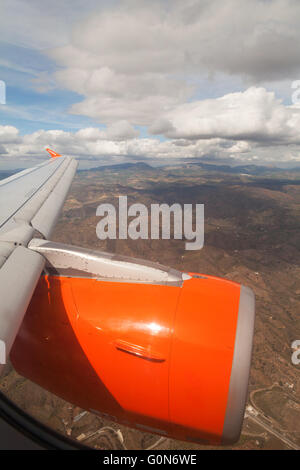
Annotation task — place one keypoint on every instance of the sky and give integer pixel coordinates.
(164, 81)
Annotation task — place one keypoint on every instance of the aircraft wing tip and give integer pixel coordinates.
(52, 153)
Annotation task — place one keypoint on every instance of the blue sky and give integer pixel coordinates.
(158, 81)
(27, 108)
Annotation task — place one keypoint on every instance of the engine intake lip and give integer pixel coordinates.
(241, 364)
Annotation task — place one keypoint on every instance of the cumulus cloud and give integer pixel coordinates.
(254, 115)
(140, 63)
(138, 59)
(38, 25)
(119, 130)
(8, 135)
(91, 143)
(86, 141)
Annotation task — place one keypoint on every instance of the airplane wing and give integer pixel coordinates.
(184, 338)
(30, 204)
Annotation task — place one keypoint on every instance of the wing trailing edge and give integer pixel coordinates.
(18, 278)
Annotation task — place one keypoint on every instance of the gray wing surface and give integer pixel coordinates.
(30, 201)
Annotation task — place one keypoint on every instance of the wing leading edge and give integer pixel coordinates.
(30, 201)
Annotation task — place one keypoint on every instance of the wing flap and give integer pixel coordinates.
(18, 278)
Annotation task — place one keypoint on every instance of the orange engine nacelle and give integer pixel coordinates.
(170, 359)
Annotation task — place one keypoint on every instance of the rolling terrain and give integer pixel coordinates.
(252, 233)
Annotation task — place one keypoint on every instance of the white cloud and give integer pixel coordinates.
(254, 115)
(92, 143)
(35, 24)
(137, 60)
(9, 135)
(120, 130)
(140, 63)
